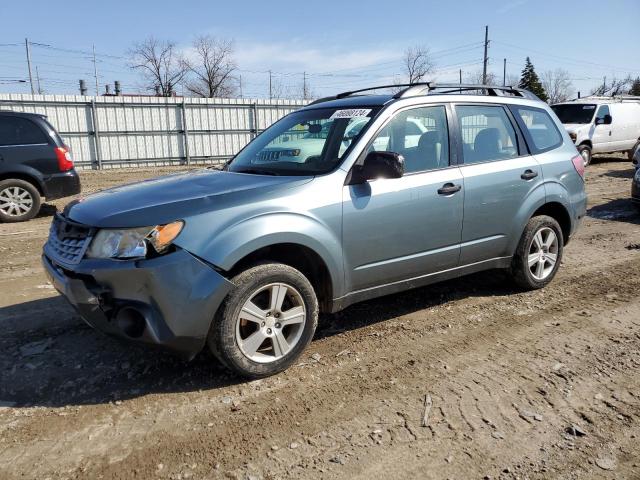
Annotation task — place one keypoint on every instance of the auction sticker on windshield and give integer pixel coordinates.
(350, 113)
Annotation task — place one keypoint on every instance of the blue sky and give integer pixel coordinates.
(341, 45)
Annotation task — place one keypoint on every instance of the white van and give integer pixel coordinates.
(602, 124)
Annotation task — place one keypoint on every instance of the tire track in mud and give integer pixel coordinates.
(468, 390)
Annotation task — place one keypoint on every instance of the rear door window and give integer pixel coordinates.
(487, 133)
(542, 132)
(20, 131)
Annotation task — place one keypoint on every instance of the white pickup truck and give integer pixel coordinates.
(602, 124)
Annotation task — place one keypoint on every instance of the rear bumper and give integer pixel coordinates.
(168, 301)
(59, 185)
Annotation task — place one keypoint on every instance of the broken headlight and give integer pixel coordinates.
(133, 242)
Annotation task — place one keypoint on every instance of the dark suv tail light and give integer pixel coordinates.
(578, 163)
(65, 162)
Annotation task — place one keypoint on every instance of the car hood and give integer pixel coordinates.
(172, 197)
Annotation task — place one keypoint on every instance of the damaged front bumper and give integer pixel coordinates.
(168, 301)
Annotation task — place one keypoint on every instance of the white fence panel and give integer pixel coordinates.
(112, 132)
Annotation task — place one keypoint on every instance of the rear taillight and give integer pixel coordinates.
(578, 163)
(65, 162)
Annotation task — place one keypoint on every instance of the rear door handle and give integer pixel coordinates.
(449, 189)
(529, 174)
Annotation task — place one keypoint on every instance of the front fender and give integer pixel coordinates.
(230, 245)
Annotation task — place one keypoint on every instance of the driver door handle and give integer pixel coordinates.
(449, 189)
(529, 174)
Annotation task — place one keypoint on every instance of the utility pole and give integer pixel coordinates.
(26, 44)
(95, 69)
(486, 58)
(305, 94)
(460, 72)
(504, 73)
(270, 87)
(38, 81)
(240, 83)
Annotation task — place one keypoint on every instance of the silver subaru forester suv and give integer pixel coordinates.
(350, 198)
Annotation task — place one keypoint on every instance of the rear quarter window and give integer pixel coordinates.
(539, 128)
(20, 131)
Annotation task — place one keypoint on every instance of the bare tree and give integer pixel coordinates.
(417, 63)
(210, 68)
(476, 78)
(614, 87)
(160, 65)
(512, 79)
(557, 84)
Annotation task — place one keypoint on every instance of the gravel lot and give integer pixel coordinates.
(535, 385)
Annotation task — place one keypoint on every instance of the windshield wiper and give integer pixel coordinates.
(255, 171)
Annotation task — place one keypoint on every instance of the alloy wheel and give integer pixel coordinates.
(543, 253)
(270, 323)
(15, 201)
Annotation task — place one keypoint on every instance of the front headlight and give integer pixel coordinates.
(133, 242)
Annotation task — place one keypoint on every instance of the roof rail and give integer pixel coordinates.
(360, 90)
(425, 88)
(491, 90)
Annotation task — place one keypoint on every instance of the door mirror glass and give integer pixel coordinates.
(378, 165)
(607, 119)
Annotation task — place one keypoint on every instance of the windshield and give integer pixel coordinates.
(575, 113)
(306, 142)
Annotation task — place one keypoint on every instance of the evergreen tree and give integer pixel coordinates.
(531, 82)
(635, 87)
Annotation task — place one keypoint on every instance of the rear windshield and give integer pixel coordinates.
(575, 113)
(54, 133)
(20, 131)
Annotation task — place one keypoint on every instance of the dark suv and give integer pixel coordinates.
(34, 163)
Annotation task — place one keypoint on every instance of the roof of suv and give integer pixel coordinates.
(356, 98)
(22, 114)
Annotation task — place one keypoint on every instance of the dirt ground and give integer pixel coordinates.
(536, 385)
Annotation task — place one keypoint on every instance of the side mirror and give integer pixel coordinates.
(378, 165)
(606, 120)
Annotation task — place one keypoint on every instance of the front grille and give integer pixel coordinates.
(67, 241)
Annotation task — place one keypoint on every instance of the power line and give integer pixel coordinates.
(566, 59)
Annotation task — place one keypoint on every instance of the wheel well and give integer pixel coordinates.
(302, 258)
(559, 213)
(22, 176)
(587, 143)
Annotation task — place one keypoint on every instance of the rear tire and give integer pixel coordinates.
(585, 153)
(266, 321)
(633, 151)
(19, 200)
(538, 254)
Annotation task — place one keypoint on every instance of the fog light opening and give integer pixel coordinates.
(131, 322)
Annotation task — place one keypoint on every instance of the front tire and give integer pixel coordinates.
(266, 321)
(538, 254)
(585, 153)
(19, 200)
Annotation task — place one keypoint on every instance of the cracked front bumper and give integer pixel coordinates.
(171, 299)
